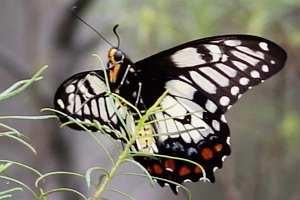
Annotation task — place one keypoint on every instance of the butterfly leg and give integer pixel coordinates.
(124, 76)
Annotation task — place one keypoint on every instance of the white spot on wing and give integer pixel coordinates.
(191, 107)
(210, 106)
(181, 88)
(223, 119)
(203, 83)
(251, 52)
(94, 108)
(110, 111)
(201, 126)
(172, 128)
(162, 138)
(232, 43)
(216, 76)
(61, 103)
(265, 68)
(215, 52)
(83, 89)
(244, 57)
(254, 74)
(224, 101)
(102, 109)
(161, 123)
(86, 109)
(223, 158)
(228, 140)
(264, 46)
(195, 136)
(87, 120)
(96, 84)
(216, 125)
(179, 126)
(75, 104)
(188, 57)
(244, 81)
(240, 65)
(224, 58)
(70, 89)
(213, 48)
(185, 79)
(273, 62)
(234, 90)
(175, 109)
(186, 137)
(226, 69)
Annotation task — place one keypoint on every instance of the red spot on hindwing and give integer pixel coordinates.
(184, 170)
(157, 169)
(197, 169)
(169, 164)
(218, 147)
(207, 153)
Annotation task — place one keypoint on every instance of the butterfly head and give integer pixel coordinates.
(115, 61)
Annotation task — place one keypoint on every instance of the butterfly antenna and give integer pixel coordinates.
(115, 32)
(75, 14)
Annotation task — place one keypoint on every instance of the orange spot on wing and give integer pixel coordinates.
(197, 170)
(207, 153)
(218, 147)
(184, 170)
(157, 169)
(170, 164)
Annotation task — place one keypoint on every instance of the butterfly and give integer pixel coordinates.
(203, 79)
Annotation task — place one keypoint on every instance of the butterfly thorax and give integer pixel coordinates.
(123, 78)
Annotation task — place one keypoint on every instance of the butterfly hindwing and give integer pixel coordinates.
(187, 131)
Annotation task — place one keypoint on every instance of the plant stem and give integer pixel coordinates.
(112, 173)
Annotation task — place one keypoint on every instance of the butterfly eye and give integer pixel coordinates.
(118, 56)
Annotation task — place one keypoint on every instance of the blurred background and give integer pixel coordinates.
(265, 159)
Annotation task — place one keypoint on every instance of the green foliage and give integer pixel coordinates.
(10, 92)
(17, 136)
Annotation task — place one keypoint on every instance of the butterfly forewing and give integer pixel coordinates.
(221, 67)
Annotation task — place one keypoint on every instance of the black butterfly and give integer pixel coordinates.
(207, 75)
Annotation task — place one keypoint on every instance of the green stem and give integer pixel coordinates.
(113, 171)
